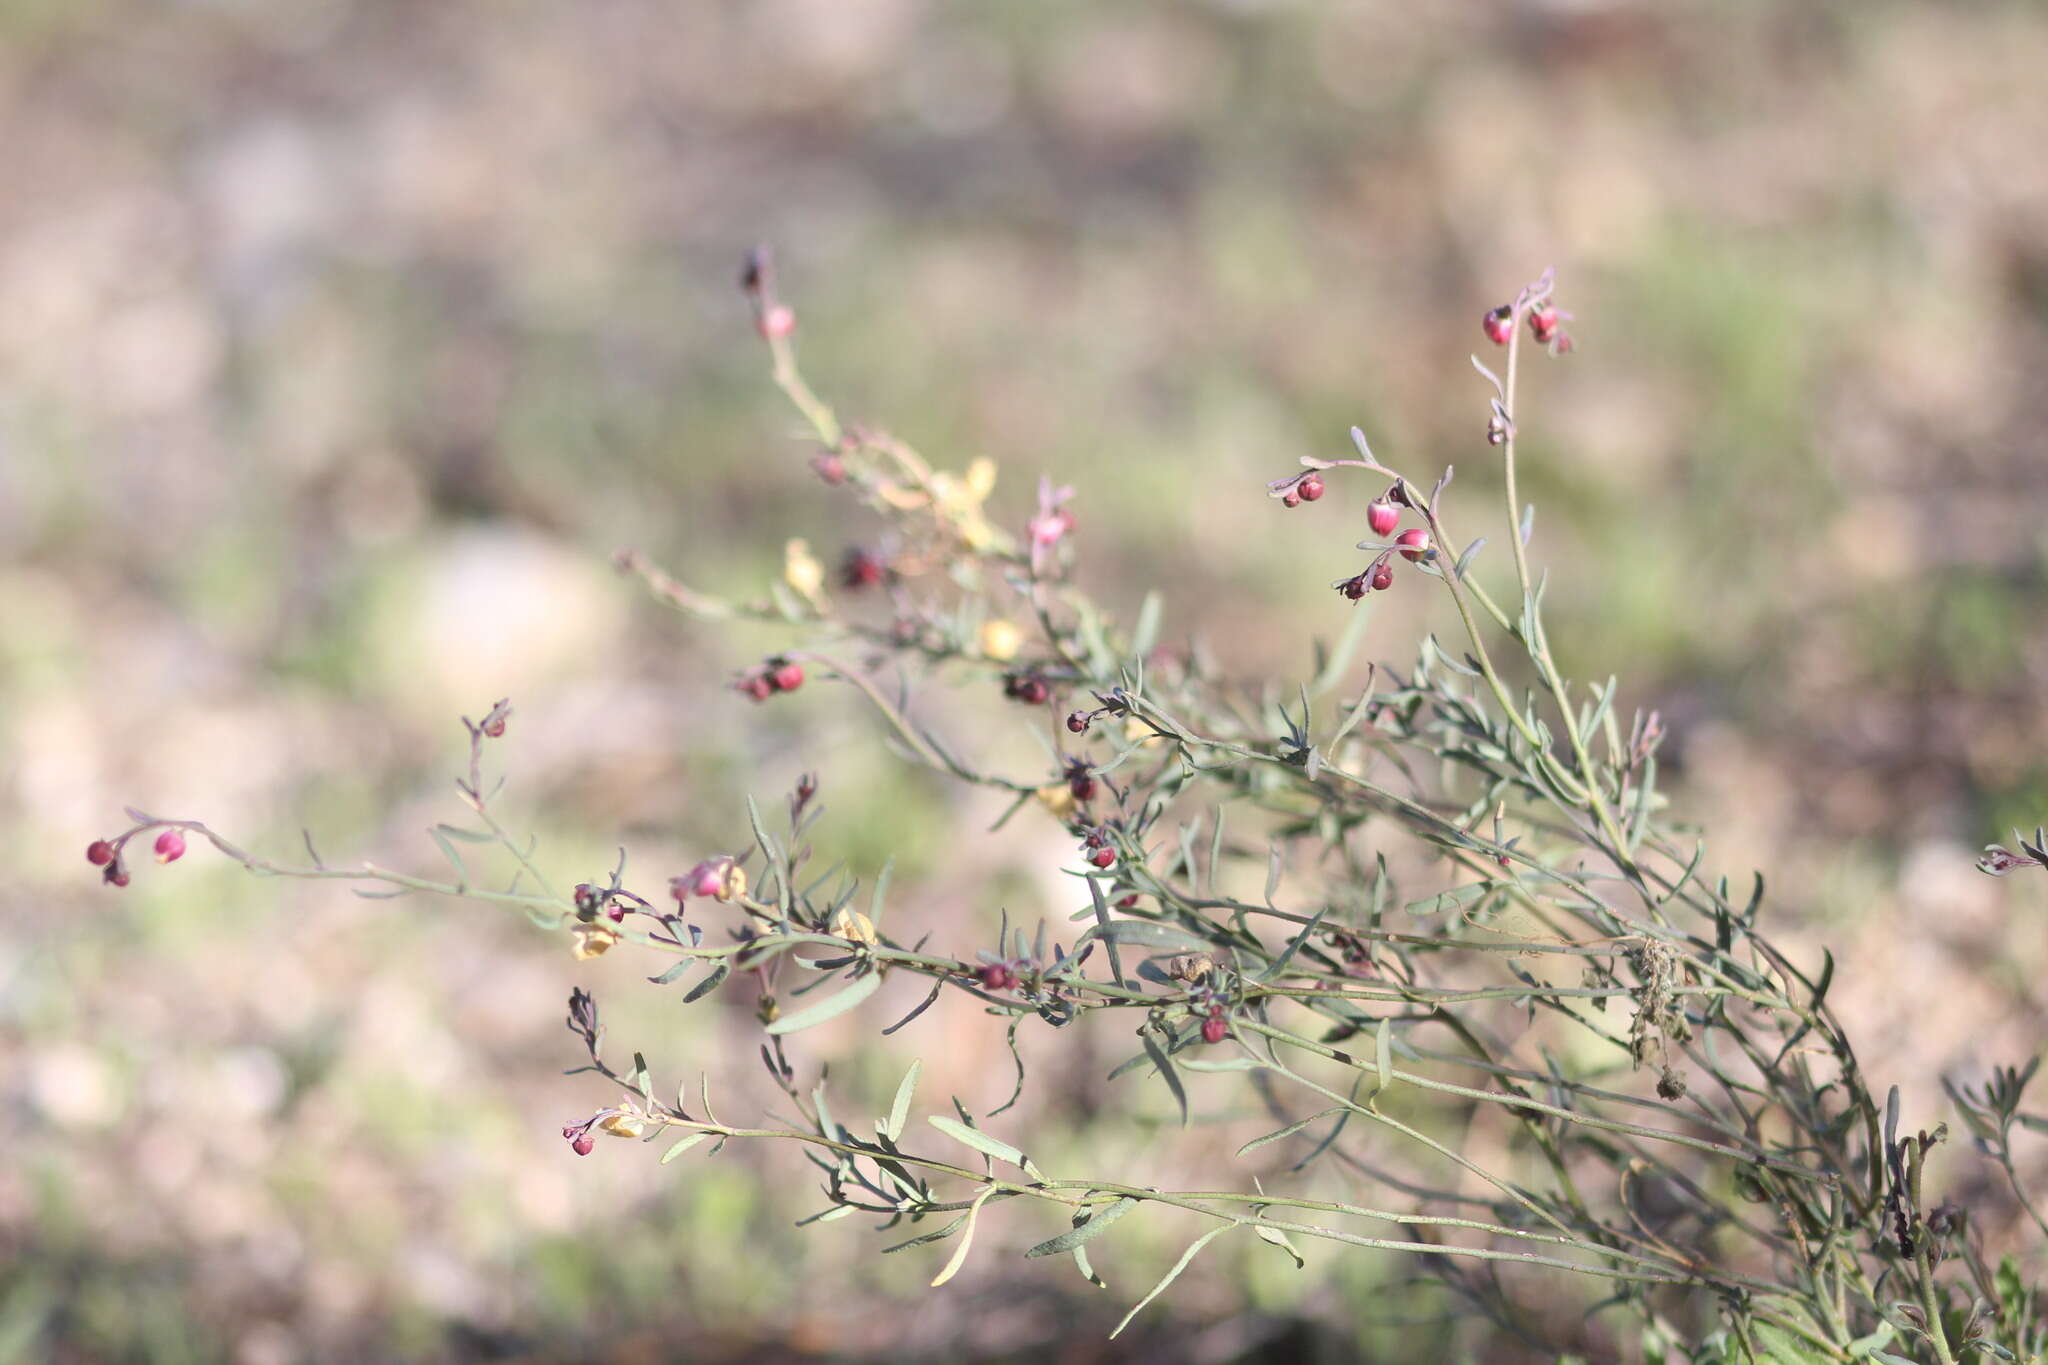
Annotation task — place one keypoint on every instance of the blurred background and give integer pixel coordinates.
(341, 342)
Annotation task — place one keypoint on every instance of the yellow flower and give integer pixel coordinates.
(591, 940)
(981, 479)
(1138, 732)
(627, 1123)
(1058, 800)
(801, 569)
(852, 924)
(1000, 640)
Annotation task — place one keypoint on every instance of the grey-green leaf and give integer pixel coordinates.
(899, 1112)
(1173, 1274)
(978, 1140)
(1086, 1232)
(1151, 935)
(682, 1146)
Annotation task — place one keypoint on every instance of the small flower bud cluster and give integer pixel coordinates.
(1096, 847)
(860, 569)
(627, 1121)
(106, 854)
(1080, 779)
(720, 878)
(1028, 686)
(776, 675)
(1546, 319)
(1382, 515)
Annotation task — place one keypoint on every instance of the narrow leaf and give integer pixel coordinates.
(1166, 1071)
(966, 1241)
(673, 972)
(975, 1138)
(1279, 1239)
(941, 1235)
(1173, 1274)
(1146, 633)
(1289, 1131)
(1085, 1232)
(708, 984)
(682, 1146)
(1154, 935)
(892, 1127)
(1458, 572)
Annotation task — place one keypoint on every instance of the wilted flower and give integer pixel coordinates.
(592, 940)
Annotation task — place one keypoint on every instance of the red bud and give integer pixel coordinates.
(1382, 516)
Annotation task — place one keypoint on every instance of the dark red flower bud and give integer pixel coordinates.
(495, 728)
(829, 467)
(1128, 902)
(1214, 1029)
(99, 853)
(1382, 516)
(1499, 325)
(1291, 499)
(1077, 721)
(995, 976)
(1414, 543)
(1310, 488)
(1102, 857)
(756, 686)
(115, 875)
(582, 1145)
(1382, 575)
(1082, 785)
(860, 570)
(1030, 689)
(786, 676)
(1353, 588)
(1543, 322)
